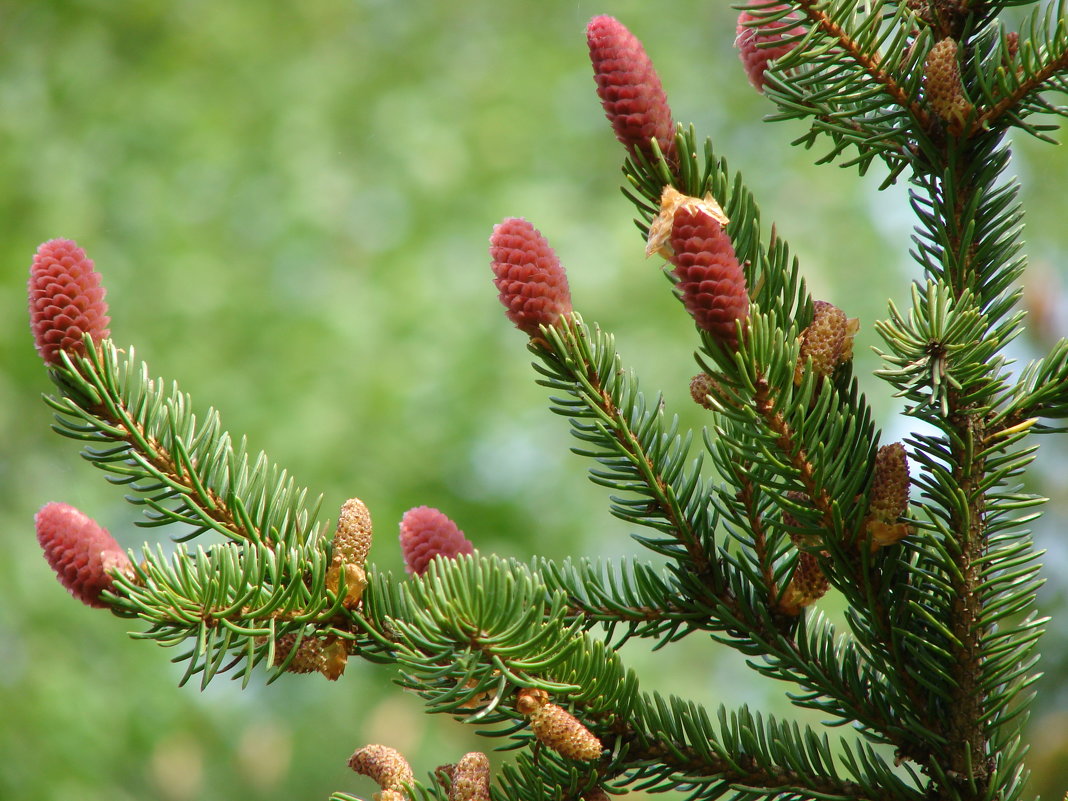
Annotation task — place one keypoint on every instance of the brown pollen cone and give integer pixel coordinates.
(828, 340)
(889, 496)
(385, 765)
(701, 386)
(557, 728)
(307, 659)
(943, 87)
(807, 585)
(352, 543)
(468, 778)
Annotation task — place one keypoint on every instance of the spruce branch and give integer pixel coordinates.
(855, 76)
(180, 469)
(879, 29)
(634, 451)
(1012, 80)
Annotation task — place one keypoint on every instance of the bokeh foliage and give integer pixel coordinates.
(289, 204)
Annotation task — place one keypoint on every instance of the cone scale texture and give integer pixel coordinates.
(66, 300)
(630, 90)
(710, 278)
(80, 551)
(532, 284)
(425, 533)
(756, 38)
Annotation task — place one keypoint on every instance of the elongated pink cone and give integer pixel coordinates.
(532, 284)
(754, 33)
(629, 88)
(710, 279)
(425, 533)
(80, 551)
(66, 300)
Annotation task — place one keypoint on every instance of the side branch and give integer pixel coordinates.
(144, 458)
(1032, 83)
(816, 14)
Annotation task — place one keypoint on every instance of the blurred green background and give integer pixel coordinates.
(289, 204)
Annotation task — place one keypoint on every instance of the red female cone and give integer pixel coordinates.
(532, 284)
(710, 278)
(82, 553)
(757, 36)
(426, 533)
(630, 90)
(66, 300)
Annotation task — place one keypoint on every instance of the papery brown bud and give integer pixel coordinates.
(757, 36)
(352, 543)
(889, 496)
(82, 553)
(828, 340)
(386, 766)
(425, 533)
(943, 87)
(66, 300)
(334, 659)
(532, 284)
(596, 794)
(671, 200)
(557, 728)
(630, 90)
(710, 279)
(469, 778)
(807, 585)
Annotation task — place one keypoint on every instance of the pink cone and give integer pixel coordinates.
(630, 90)
(80, 551)
(755, 58)
(66, 300)
(425, 533)
(710, 278)
(532, 284)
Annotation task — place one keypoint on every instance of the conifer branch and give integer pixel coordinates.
(870, 61)
(182, 471)
(1035, 82)
(619, 422)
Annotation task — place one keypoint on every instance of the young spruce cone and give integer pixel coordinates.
(942, 84)
(528, 276)
(66, 300)
(82, 553)
(557, 728)
(630, 90)
(468, 778)
(425, 533)
(757, 37)
(352, 543)
(889, 496)
(389, 769)
(710, 278)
